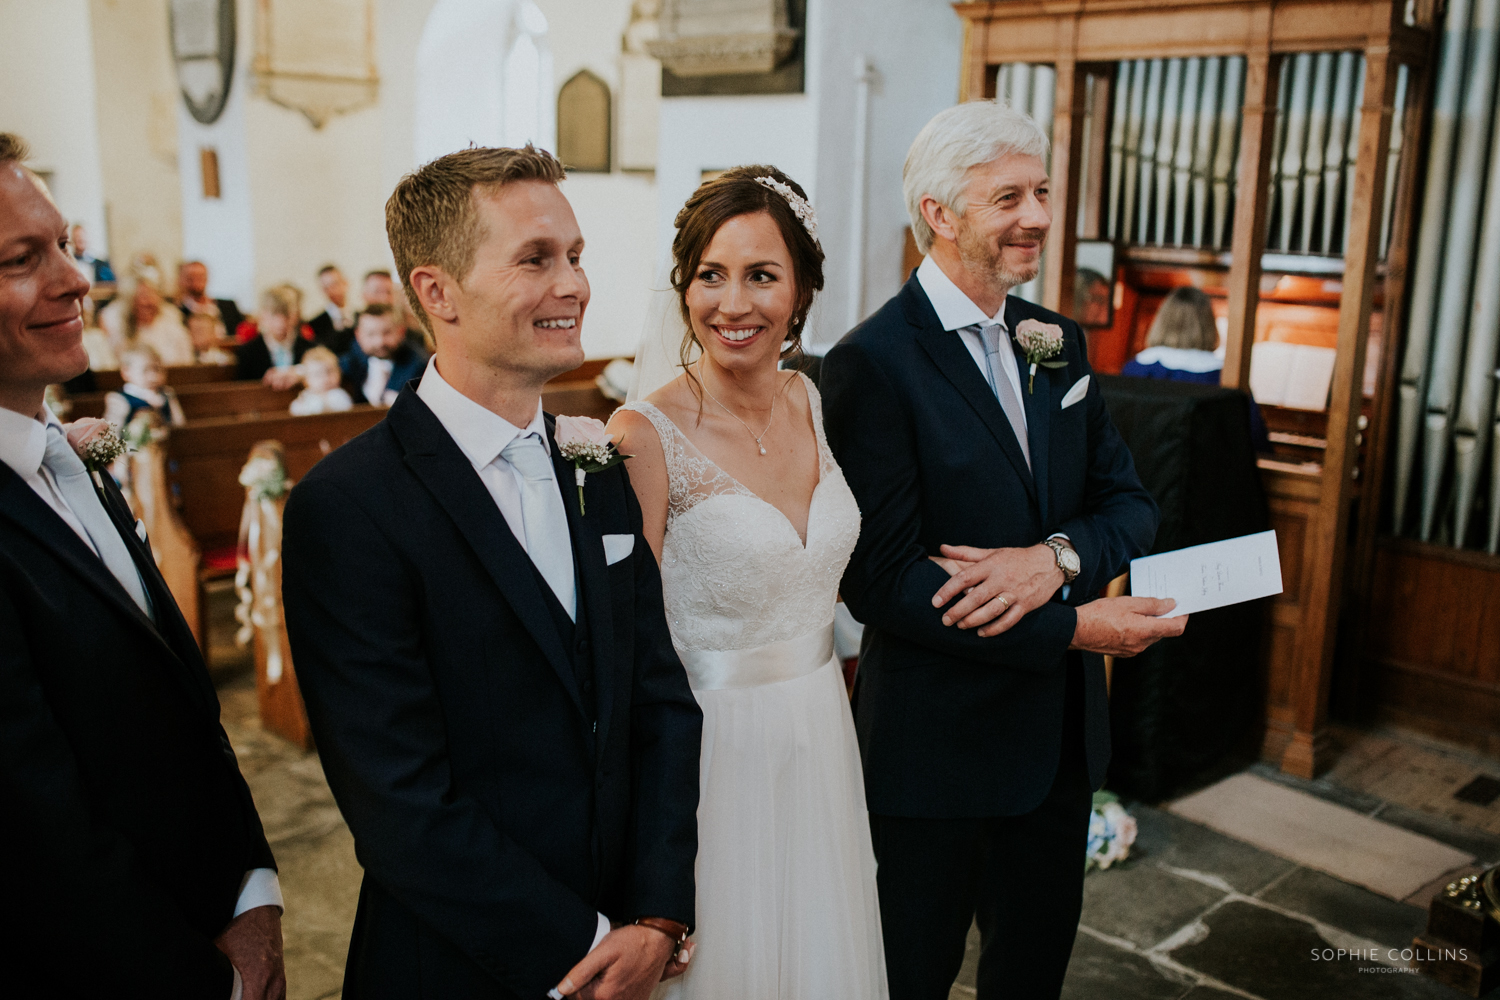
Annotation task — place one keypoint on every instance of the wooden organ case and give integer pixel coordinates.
(1325, 512)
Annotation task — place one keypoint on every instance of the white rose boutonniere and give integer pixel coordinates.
(96, 441)
(1039, 341)
(586, 443)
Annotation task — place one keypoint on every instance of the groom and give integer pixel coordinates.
(488, 672)
(982, 745)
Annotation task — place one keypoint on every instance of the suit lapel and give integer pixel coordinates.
(31, 514)
(953, 359)
(593, 585)
(438, 463)
(1038, 403)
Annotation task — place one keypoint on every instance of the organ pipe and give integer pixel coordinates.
(1338, 138)
(1166, 149)
(1351, 148)
(1226, 147)
(1150, 129)
(1182, 163)
(1203, 153)
(1312, 160)
(1424, 283)
(1293, 145)
(1117, 144)
(1458, 261)
(1133, 128)
(1393, 158)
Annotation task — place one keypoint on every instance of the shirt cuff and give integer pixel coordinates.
(239, 986)
(599, 935)
(259, 887)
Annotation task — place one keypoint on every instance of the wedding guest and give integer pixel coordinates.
(193, 298)
(143, 317)
(1182, 346)
(334, 326)
(272, 354)
(1092, 298)
(378, 290)
(381, 360)
(320, 376)
(209, 343)
(101, 276)
(145, 388)
(488, 672)
(140, 868)
(986, 487)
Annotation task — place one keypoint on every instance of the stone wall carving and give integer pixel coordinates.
(724, 37)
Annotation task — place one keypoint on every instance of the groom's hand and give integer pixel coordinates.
(1124, 626)
(999, 586)
(625, 966)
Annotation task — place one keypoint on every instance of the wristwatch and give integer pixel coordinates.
(1067, 558)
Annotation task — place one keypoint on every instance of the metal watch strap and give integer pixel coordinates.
(1057, 546)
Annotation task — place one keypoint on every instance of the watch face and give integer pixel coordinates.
(1071, 561)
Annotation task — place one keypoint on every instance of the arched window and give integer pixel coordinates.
(484, 76)
(583, 107)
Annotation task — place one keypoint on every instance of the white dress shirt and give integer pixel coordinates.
(23, 443)
(956, 311)
(377, 382)
(482, 434)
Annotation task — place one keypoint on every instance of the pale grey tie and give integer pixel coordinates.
(545, 519)
(996, 340)
(73, 482)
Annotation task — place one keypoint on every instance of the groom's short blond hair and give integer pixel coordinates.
(962, 137)
(431, 218)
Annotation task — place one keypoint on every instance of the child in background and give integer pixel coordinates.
(207, 334)
(145, 389)
(320, 375)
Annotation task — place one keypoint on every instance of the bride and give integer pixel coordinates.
(752, 523)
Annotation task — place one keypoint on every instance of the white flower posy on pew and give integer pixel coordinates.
(1040, 341)
(586, 443)
(265, 478)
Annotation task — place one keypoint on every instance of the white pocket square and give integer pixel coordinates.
(617, 547)
(1079, 390)
(140, 529)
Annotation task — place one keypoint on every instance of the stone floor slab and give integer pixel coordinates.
(1171, 841)
(1318, 834)
(1143, 904)
(1100, 970)
(1347, 907)
(1270, 955)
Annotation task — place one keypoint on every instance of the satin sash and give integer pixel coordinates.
(717, 669)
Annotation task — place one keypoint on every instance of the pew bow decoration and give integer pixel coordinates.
(259, 552)
(1040, 341)
(586, 443)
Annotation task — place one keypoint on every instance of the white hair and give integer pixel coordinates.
(957, 139)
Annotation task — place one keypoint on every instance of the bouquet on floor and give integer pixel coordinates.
(1111, 832)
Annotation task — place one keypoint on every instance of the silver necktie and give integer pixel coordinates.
(545, 519)
(996, 340)
(73, 482)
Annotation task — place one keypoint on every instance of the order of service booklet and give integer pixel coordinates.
(1212, 575)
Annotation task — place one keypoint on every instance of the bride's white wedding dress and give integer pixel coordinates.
(787, 908)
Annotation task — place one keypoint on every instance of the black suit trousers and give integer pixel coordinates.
(1019, 877)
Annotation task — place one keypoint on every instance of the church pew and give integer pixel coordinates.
(177, 375)
(208, 399)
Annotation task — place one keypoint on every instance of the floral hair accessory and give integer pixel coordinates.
(800, 208)
(586, 443)
(96, 441)
(1040, 341)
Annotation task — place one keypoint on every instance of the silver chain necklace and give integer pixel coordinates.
(704, 382)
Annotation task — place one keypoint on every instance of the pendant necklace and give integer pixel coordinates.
(704, 382)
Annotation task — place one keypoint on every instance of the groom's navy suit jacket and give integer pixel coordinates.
(123, 815)
(503, 789)
(951, 724)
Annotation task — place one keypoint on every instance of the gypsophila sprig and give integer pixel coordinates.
(95, 441)
(1039, 341)
(264, 479)
(586, 443)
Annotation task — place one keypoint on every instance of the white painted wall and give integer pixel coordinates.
(47, 96)
(915, 46)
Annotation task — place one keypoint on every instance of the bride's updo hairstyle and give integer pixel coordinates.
(732, 194)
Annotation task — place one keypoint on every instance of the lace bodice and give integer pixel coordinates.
(735, 574)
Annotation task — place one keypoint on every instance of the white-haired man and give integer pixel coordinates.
(980, 701)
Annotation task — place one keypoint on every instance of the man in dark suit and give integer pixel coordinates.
(193, 298)
(334, 326)
(980, 701)
(487, 669)
(140, 867)
(381, 360)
